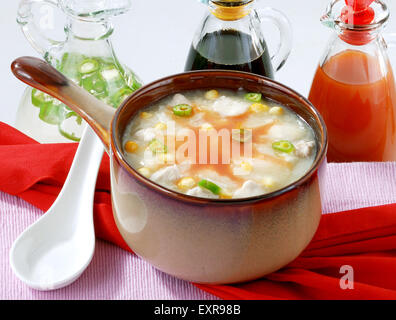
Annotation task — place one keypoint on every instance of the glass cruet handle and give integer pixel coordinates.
(33, 33)
(286, 35)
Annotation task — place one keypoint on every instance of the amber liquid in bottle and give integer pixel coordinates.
(229, 50)
(358, 104)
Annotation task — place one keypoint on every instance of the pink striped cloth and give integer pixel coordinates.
(117, 274)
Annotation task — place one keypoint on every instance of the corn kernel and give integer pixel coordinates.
(246, 166)
(268, 183)
(207, 127)
(276, 111)
(186, 183)
(212, 95)
(225, 194)
(146, 115)
(160, 126)
(131, 146)
(259, 107)
(145, 172)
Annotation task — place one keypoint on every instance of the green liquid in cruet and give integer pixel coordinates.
(102, 78)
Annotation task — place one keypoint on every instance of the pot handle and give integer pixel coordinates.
(39, 74)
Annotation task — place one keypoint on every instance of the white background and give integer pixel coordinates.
(153, 39)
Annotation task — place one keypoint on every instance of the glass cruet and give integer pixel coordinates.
(230, 37)
(85, 54)
(354, 86)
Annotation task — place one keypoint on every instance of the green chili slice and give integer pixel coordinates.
(283, 146)
(51, 113)
(88, 66)
(70, 136)
(95, 85)
(157, 147)
(99, 86)
(120, 96)
(206, 184)
(253, 97)
(64, 129)
(39, 98)
(182, 110)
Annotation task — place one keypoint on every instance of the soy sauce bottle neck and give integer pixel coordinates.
(230, 10)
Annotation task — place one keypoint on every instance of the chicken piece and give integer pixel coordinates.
(285, 131)
(229, 107)
(304, 148)
(249, 189)
(178, 98)
(201, 193)
(166, 176)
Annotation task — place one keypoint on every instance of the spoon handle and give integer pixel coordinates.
(39, 74)
(81, 180)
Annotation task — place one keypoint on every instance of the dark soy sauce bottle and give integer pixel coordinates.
(229, 50)
(230, 38)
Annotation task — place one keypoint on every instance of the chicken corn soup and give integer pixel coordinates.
(219, 144)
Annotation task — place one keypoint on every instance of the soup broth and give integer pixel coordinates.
(219, 144)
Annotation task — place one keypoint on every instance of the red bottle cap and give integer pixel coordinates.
(359, 5)
(357, 12)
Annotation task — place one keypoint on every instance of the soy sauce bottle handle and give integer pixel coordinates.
(286, 35)
(34, 27)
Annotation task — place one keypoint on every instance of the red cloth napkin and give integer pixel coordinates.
(364, 239)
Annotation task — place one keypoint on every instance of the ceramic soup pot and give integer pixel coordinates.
(200, 240)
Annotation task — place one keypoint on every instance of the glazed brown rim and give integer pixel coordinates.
(320, 156)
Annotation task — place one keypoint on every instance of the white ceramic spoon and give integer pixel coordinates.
(56, 249)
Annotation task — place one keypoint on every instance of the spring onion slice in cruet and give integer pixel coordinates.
(39, 98)
(88, 66)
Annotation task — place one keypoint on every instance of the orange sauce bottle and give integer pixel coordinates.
(354, 86)
(358, 103)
